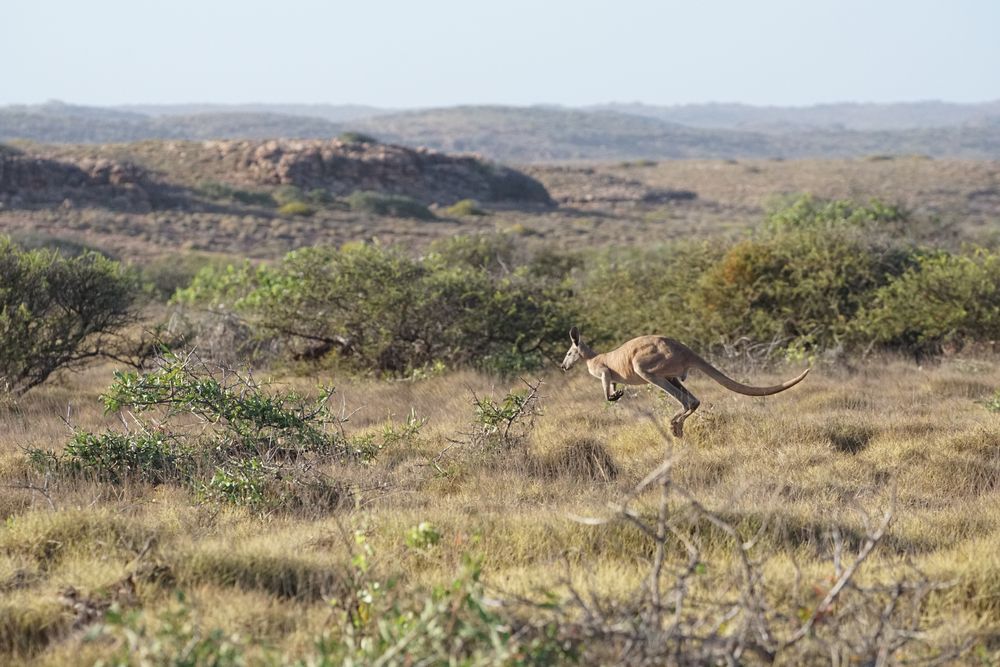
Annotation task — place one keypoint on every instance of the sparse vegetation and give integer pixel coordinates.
(399, 206)
(215, 190)
(296, 208)
(464, 208)
(357, 138)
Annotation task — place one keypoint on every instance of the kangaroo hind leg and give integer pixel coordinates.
(688, 402)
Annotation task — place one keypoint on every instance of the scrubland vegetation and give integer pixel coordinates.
(362, 454)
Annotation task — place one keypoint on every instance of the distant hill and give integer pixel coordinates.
(335, 113)
(62, 123)
(546, 133)
(539, 134)
(847, 116)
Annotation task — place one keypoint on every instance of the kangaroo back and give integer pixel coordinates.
(740, 388)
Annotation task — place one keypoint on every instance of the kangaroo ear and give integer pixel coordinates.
(574, 335)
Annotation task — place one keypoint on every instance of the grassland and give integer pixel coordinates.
(791, 469)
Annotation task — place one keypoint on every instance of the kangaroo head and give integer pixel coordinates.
(574, 354)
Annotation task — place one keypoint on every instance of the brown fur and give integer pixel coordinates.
(659, 361)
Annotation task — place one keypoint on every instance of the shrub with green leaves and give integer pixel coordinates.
(379, 203)
(645, 290)
(805, 278)
(231, 411)
(148, 456)
(296, 208)
(464, 208)
(57, 312)
(503, 425)
(215, 190)
(351, 137)
(219, 432)
(943, 299)
(377, 309)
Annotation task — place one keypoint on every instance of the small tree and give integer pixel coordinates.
(56, 312)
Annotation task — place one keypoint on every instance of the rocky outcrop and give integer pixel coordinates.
(28, 180)
(342, 167)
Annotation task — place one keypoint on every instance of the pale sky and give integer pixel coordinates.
(425, 53)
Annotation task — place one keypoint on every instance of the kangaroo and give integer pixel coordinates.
(660, 361)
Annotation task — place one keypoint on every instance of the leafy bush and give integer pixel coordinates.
(357, 138)
(943, 299)
(511, 185)
(167, 273)
(242, 482)
(287, 194)
(501, 426)
(234, 413)
(219, 432)
(647, 290)
(463, 208)
(296, 208)
(215, 190)
(376, 309)
(152, 457)
(398, 206)
(66, 247)
(57, 312)
(805, 278)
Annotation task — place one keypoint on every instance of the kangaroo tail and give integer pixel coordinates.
(740, 388)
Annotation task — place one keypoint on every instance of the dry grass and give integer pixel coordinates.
(788, 468)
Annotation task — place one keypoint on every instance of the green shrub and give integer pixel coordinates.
(68, 248)
(376, 309)
(167, 273)
(357, 138)
(215, 190)
(502, 426)
(463, 208)
(234, 412)
(242, 482)
(943, 299)
(645, 290)
(296, 208)
(287, 194)
(261, 448)
(804, 279)
(494, 253)
(57, 312)
(117, 457)
(512, 185)
(398, 206)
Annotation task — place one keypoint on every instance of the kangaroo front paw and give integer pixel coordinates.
(615, 396)
(677, 428)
